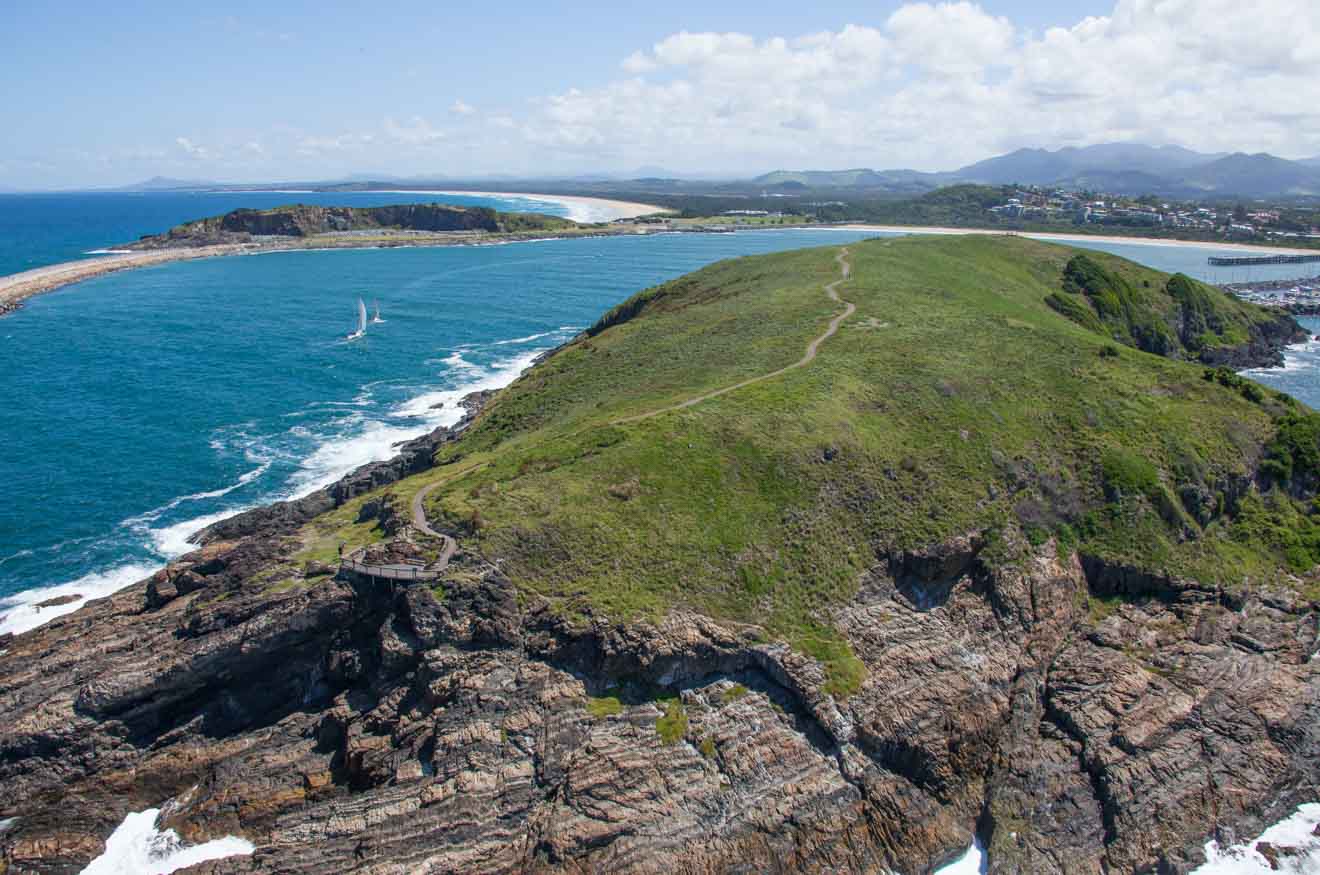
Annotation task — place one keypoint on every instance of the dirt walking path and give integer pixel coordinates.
(832, 290)
(420, 523)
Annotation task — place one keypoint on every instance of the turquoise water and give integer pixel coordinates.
(41, 229)
(142, 405)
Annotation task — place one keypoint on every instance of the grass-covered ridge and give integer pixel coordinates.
(956, 399)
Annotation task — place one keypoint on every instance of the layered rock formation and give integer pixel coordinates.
(1079, 714)
(394, 730)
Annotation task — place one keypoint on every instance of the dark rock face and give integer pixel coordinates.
(1265, 350)
(350, 727)
(387, 730)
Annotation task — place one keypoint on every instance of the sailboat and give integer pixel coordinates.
(375, 317)
(362, 322)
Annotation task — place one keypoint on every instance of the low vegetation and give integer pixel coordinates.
(673, 724)
(960, 397)
(1180, 317)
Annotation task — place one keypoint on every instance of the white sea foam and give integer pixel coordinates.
(1296, 831)
(1296, 357)
(19, 612)
(153, 515)
(172, 541)
(456, 360)
(500, 373)
(364, 441)
(528, 339)
(973, 862)
(136, 847)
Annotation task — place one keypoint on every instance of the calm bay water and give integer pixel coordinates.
(41, 229)
(139, 406)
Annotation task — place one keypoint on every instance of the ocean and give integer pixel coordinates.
(142, 405)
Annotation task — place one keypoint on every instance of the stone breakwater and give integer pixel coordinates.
(15, 288)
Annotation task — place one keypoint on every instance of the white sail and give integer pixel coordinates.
(362, 322)
(375, 317)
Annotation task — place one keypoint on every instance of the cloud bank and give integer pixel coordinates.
(934, 86)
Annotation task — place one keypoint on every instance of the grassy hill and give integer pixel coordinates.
(956, 400)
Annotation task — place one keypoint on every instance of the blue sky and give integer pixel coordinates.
(100, 95)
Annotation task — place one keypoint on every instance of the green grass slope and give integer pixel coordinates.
(956, 399)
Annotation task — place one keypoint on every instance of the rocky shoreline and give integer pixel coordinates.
(345, 727)
(1075, 714)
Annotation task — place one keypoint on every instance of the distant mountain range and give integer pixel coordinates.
(1123, 168)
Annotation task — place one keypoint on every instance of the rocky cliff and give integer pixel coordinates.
(878, 670)
(348, 727)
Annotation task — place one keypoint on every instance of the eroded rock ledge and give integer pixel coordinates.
(397, 731)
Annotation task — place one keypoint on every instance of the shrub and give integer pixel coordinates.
(1294, 451)
(673, 725)
(1126, 473)
(604, 706)
(734, 693)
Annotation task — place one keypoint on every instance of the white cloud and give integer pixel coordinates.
(417, 131)
(324, 145)
(638, 62)
(941, 84)
(934, 86)
(193, 150)
(950, 37)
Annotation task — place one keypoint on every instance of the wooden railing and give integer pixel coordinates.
(405, 570)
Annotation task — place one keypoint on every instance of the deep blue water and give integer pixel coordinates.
(141, 405)
(41, 229)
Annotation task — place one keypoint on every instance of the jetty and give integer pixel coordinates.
(1247, 260)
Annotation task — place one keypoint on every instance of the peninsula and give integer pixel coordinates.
(299, 226)
(826, 560)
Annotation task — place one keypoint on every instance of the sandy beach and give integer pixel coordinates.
(581, 209)
(14, 288)
(1063, 237)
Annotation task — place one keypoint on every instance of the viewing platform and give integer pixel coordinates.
(408, 571)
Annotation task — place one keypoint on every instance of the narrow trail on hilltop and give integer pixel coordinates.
(420, 523)
(831, 290)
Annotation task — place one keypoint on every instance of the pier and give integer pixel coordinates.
(1247, 260)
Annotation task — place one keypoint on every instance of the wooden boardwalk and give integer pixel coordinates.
(406, 571)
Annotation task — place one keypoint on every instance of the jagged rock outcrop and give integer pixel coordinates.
(351, 728)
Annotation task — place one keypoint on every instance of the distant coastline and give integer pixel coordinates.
(1065, 237)
(15, 288)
